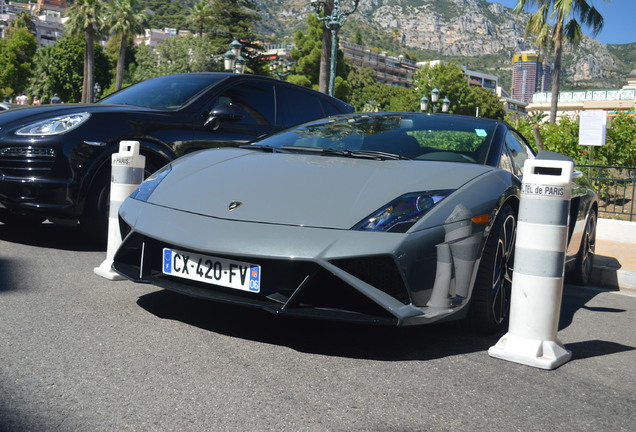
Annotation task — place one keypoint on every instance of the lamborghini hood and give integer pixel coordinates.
(299, 189)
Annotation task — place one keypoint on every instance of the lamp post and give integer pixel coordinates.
(333, 22)
(232, 59)
(424, 102)
(280, 67)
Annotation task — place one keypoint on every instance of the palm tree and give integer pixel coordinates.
(201, 15)
(85, 19)
(554, 22)
(123, 19)
(23, 19)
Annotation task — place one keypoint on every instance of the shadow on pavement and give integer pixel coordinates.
(50, 236)
(318, 336)
(352, 340)
(576, 298)
(10, 274)
(596, 348)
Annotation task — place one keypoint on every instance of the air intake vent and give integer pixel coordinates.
(26, 162)
(378, 271)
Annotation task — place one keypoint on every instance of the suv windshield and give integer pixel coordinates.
(168, 92)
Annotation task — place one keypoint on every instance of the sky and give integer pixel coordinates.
(619, 16)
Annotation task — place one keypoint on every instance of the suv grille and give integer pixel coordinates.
(26, 161)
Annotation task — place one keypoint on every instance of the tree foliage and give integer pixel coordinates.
(383, 97)
(59, 69)
(86, 18)
(563, 137)
(452, 82)
(175, 55)
(555, 22)
(16, 55)
(201, 16)
(165, 13)
(307, 55)
(123, 19)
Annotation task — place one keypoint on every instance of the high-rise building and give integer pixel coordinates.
(530, 74)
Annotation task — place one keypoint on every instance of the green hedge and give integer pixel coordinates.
(563, 137)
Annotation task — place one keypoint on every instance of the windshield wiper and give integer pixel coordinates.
(265, 148)
(365, 154)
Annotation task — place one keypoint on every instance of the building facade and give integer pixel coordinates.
(530, 74)
(391, 70)
(571, 103)
(47, 17)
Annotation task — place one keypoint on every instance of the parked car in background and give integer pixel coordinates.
(55, 159)
(383, 218)
(6, 105)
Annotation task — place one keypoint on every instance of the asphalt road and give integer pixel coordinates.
(81, 353)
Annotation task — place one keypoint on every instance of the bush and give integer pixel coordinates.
(563, 137)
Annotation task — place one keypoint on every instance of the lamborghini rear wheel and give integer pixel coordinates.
(490, 303)
(582, 273)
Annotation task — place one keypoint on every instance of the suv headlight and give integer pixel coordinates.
(54, 126)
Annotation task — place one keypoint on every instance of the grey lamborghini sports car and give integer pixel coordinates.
(383, 218)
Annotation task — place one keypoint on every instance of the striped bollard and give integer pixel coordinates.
(127, 173)
(537, 282)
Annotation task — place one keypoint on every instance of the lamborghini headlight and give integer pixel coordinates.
(402, 213)
(144, 190)
(54, 126)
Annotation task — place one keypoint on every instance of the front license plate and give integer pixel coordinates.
(212, 270)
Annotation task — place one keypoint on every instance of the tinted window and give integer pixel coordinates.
(329, 108)
(255, 100)
(168, 92)
(299, 106)
(518, 151)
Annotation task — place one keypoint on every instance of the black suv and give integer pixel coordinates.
(55, 159)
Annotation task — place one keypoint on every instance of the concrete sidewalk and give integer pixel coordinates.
(615, 259)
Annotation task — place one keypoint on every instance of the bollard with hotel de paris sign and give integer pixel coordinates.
(127, 172)
(537, 281)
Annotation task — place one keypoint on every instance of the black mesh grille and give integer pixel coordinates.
(26, 161)
(378, 271)
(303, 287)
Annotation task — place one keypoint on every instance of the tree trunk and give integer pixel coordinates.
(89, 67)
(84, 77)
(325, 56)
(90, 60)
(536, 131)
(556, 72)
(119, 76)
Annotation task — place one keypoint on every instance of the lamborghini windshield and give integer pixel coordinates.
(390, 136)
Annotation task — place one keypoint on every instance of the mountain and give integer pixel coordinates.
(475, 33)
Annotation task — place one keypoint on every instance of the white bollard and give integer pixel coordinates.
(537, 281)
(127, 173)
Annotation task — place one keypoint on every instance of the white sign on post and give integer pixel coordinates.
(592, 128)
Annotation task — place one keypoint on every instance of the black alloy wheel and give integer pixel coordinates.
(582, 273)
(490, 302)
(94, 221)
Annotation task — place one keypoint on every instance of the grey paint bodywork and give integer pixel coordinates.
(312, 209)
(311, 204)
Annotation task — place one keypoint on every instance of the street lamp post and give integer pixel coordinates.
(280, 67)
(424, 102)
(233, 60)
(333, 22)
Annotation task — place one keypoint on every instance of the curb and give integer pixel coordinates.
(606, 271)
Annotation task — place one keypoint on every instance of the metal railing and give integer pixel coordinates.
(616, 188)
